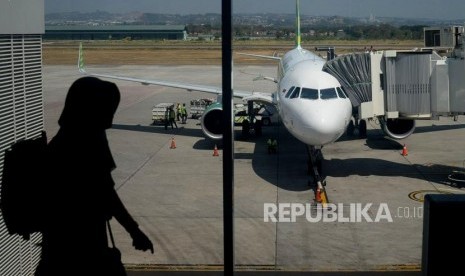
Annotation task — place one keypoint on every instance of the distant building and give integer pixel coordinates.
(202, 37)
(133, 32)
(340, 34)
(372, 18)
(442, 37)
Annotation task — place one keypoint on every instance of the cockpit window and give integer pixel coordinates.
(328, 93)
(290, 91)
(295, 94)
(308, 93)
(340, 93)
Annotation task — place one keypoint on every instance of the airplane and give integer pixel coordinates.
(311, 103)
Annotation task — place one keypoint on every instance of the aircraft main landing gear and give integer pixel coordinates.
(361, 125)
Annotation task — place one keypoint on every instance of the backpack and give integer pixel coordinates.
(21, 189)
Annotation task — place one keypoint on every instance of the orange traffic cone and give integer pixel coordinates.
(404, 151)
(215, 151)
(173, 144)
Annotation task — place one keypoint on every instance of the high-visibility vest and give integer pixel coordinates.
(274, 143)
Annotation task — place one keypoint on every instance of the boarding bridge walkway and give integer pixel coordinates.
(415, 84)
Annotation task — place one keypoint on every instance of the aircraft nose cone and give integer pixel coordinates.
(324, 125)
(325, 130)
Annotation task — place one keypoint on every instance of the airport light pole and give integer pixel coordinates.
(228, 138)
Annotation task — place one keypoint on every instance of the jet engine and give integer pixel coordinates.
(211, 121)
(398, 128)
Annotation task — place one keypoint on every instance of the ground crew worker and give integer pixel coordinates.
(167, 118)
(183, 113)
(274, 146)
(178, 111)
(172, 117)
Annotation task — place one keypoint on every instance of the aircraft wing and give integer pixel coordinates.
(180, 85)
(260, 56)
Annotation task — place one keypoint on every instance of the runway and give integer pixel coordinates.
(176, 194)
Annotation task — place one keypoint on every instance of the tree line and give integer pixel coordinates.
(354, 32)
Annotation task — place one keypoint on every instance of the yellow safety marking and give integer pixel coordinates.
(420, 195)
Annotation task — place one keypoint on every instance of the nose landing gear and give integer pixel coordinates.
(315, 168)
(361, 125)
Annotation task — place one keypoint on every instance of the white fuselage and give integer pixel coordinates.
(316, 111)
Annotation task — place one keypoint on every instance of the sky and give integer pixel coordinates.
(430, 9)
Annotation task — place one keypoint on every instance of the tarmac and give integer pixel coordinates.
(176, 194)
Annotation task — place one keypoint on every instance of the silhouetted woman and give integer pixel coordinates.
(80, 186)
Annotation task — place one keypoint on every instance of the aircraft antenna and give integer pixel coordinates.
(297, 24)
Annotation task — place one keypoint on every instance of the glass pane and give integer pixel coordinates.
(295, 94)
(290, 91)
(170, 179)
(340, 93)
(328, 93)
(308, 93)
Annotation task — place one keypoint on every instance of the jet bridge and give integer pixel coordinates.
(391, 85)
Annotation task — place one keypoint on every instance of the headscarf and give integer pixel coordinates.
(91, 104)
(88, 111)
